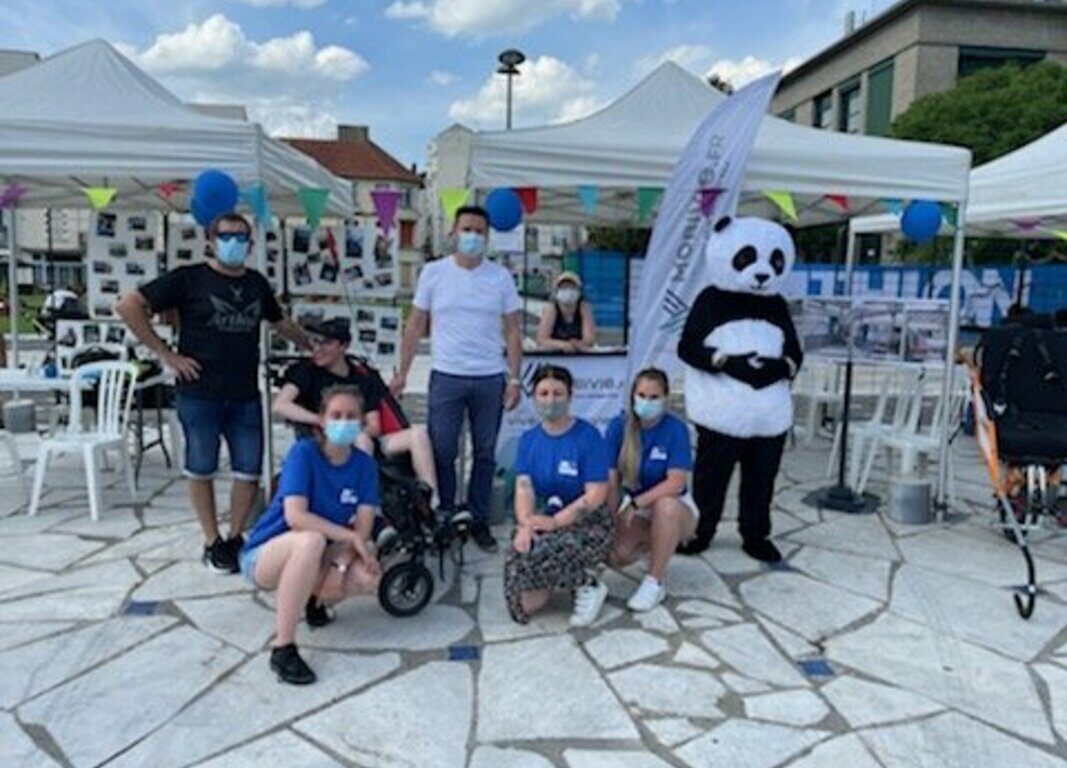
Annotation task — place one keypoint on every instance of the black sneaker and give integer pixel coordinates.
(289, 667)
(483, 537)
(317, 614)
(221, 557)
(236, 544)
(764, 551)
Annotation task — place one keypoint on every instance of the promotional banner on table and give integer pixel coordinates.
(600, 392)
(715, 158)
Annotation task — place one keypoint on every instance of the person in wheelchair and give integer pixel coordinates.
(389, 440)
(312, 544)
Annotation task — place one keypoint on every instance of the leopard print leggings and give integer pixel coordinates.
(559, 560)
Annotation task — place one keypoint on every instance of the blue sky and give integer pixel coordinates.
(409, 68)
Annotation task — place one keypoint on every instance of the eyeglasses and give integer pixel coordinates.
(241, 237)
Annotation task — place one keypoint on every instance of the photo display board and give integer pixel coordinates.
(375, 328)
(357, 259)
(125, 251)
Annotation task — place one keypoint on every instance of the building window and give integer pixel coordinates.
(976, 59)
(823, 109)
(880, 99)
(790, 115)
(850, 110)
(407, 234)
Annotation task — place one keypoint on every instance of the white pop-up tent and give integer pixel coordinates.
(1021, 194)
(636, 142)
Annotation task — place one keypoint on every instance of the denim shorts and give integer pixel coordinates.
(205, 421)
(247, 561)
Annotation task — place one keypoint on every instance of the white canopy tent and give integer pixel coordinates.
(1021, 194)
(637, 140)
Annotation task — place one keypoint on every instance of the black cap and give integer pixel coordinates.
(335, 328)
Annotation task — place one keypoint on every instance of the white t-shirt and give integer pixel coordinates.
(466, 309)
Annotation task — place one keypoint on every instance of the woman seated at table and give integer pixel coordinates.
(312, 544)
(567, 323)
(651, 459)
(563, 530)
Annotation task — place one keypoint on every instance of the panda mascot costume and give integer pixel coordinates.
(741, 352)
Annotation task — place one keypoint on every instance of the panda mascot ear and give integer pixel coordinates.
(723, 223)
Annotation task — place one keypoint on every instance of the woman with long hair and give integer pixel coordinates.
(563, 530)
(651, 459)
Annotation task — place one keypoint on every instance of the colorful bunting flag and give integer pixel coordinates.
(168, 189)
(785, 203)
(385, 204)
(528, 196)
(841, 201)
(951, 213)
(1060, 233)
(256, 198)
(100, 197)
(452, 199)
(647, 198)
(708, 197)
(11, 195)
(895, 205)
(314, 201)
(588, 196)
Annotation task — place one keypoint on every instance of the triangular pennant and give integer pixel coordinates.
(785, 203)
(708, 196)
(588, 196)
(385, 203)
(528, 196)
(1060, 233)
(452, 199)
(314, 201)
(894, 204)
(168, 189)
(647, 197)
(951, 213)
(1027, 225)
(11, 194)
(841, 201)
(100, 197)
(256, 198)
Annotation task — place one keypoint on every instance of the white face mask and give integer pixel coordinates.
(568, 295)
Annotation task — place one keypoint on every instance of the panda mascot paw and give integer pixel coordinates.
(741, 351)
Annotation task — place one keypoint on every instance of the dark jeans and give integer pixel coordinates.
(451, 399)
(716, 456)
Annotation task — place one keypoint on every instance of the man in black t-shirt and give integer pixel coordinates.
(305, 381)
(220, 305)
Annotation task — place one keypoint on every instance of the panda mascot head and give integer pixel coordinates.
(749, 255)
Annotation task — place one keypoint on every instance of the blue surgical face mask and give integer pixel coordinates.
(231, 252)
(471, 243)
(342, 431)
(647, 410)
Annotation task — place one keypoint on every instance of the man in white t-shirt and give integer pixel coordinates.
(470, 305)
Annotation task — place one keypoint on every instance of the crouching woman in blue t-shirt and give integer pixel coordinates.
(312, 543)
(651, 460)
(563, 530)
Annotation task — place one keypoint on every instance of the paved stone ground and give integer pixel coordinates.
(877, 645)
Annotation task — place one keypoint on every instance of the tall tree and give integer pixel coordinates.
(991, 112)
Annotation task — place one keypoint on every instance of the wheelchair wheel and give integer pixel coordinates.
(405, 589)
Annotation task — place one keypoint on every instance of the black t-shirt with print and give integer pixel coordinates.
(312, 380)
(220, 317)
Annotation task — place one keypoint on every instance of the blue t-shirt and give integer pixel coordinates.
(664, 445)
(333, 492)
(561, 465)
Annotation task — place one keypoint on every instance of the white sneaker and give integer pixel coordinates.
(647, 596)
(588, 601)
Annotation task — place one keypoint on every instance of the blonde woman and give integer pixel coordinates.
(648, 484)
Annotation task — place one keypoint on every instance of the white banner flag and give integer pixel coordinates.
(710, 170)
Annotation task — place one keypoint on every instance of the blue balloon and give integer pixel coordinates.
(215, 191)
(203, 217)
(504, 208)
(921, 220)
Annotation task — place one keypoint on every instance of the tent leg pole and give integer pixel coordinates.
(948, 381)
(260, 237)
(13, 309)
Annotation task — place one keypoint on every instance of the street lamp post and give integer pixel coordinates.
(509, 67)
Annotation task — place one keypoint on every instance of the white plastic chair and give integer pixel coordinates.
(818, 384)
(114, 399)
(906, 418)
(15, 470)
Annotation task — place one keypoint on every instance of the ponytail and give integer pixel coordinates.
(630, 453)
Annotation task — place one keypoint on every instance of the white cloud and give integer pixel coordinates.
(548, 90)
(402, 10)
(442, 78)
(276, 3)
(286, 117)
(694, 56)
(485, 18)
(219, 44)
(740, 73)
